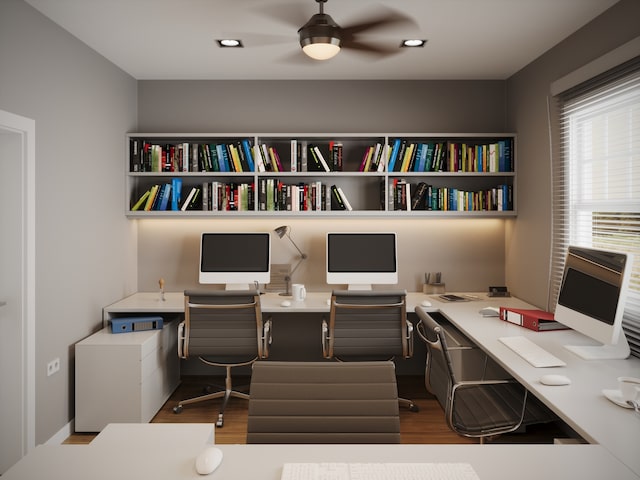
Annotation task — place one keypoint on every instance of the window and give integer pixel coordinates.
(596, 177)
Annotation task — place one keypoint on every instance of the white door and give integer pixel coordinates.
(16, 293)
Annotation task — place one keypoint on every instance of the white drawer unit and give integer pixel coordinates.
(125, 377)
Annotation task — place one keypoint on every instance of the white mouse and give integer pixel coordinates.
(490, 312)
(208, 460)
(554, 379)
(285, 303)
(425, 303)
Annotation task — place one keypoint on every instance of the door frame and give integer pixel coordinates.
(26, 128)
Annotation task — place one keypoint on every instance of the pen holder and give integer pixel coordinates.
(433, 288)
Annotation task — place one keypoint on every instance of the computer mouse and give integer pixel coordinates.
(208, 460)
(554, 379)
(425, 303)
(285, 303)
(490, 312)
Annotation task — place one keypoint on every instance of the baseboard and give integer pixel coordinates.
(62, 434)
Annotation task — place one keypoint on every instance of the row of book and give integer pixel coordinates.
(214, 196)
(243, 156)
(450, 156)
(191, 157)
(165, 196)
(275, 195)
(406, 196)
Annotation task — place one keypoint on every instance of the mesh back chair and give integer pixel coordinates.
(368, 325)
(477, 408)
(323, 402)
(223, 329)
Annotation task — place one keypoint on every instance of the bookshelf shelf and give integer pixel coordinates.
(378, 175)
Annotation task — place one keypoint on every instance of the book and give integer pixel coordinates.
(151, 198)
(394, 155)
(321, 159)
(344, 199)
(141, 201)
(418, 199)
(533, 319)
(337, 202)
(176, 193)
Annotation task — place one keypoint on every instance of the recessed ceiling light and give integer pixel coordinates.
(414, 42)
(230, 43)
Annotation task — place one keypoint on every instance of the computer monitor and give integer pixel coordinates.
(237, 260)
(592, 299)
(362, 259)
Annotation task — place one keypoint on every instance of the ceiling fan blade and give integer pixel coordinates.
(387, 18)
(371, 49)
(292, 14)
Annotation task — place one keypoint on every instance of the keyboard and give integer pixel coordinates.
(378, 471)
(531, 352)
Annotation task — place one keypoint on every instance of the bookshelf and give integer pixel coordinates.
(378, 175)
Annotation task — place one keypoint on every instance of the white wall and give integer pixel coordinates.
(528, 237)
(85, 248)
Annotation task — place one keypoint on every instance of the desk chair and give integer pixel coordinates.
(477, 408)
(223, 329)
(368, 325)
(320, 402)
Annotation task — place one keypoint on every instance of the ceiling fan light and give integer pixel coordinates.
(322, 50)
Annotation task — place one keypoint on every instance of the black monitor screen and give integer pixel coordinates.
(361, 252)
(235, 252)
(589, 295)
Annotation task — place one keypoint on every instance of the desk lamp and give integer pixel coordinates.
(282, 231)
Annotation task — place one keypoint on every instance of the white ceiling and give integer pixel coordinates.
(175, 39)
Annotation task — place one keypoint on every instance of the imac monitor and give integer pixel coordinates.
(592, 298)
(362, 259)
(238, 260)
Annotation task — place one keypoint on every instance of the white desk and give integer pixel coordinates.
(581, 405)
(150, 302)
(167, 452)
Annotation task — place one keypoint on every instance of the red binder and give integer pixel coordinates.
(537, 320)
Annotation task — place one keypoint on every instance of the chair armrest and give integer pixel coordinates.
(265, 339)
(182, 341)
(409, 337)
(325, 340)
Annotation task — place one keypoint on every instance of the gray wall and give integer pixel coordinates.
(528, 237)
(169, 248)
(85, 248)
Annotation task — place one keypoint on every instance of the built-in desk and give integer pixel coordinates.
(581, 405)
(161, 451)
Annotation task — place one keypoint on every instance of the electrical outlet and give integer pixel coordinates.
(53, 366)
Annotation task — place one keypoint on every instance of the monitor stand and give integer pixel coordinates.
(359, 286)
(239, 286)
(616, 351)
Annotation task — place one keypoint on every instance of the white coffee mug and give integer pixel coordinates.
(298, 291)
(629, 388)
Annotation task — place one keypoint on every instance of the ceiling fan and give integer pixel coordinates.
(321, 38)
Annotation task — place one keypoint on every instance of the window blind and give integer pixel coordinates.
(596, 178)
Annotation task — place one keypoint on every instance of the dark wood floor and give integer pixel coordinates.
(426, 426)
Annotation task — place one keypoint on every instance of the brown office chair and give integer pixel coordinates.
(323, 402)
(478, 407)
(368, 325)
(223, 329)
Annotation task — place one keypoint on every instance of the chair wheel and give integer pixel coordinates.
(414, 408)
(220, 421)
(177, 409)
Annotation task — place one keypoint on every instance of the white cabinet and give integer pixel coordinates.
(125, 377)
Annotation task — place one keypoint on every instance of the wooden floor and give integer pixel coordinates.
(426, 426)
